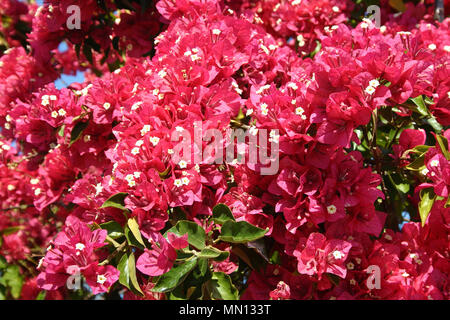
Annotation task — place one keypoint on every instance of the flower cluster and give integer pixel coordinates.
(359, 116)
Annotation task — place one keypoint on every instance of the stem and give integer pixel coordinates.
(112, 255)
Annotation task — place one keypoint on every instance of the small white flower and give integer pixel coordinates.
(37, 191)
(135, 151)
(195, 57)
(337, 254)
(447, 48)
(331, 209)
(185, 180)
(34, 181)
(182, 164)
(154, 141)
(139, 143)
(178, 183)
(249, 112)
(106, 105)
(136, 105)
(136, 174)
(370, 90)
(45, 100)
(170, 151)
(145, 129)
(53, 98)
(62, 112)
(11, 187)
(253, 131)
(101, 279)
(434, 163)
(424, 171)
(335, 9)
(374, 83)
(216, 31)
(432, 46)
(301, 40)
(98, 189)
(292, 85)
(264, 109)
(162, 73)
(274, 136)
(299, 111)
(54, 114)
(79, 246)
(179, 129)
(405, 274)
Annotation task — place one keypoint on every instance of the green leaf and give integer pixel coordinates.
(443, 144)
(41, 295)
(10, 230)
(77, 131)
(116, 201)
(427, 198)
(275, 258)
(447, 203)
(131, 239)
(13, 279)
(417, 164)
(132, 270)
(398, 182)
(114, 229)
(240, 232)
(420, 106)
(127, 277)
(87, 51)
(222, 288)
(420, 149)
(3, 263)
(213, 253)
(172, 279)
(134, 228)
(61, 130)
(435, 124)
(124, 277)
(222, 213)
(196, 234)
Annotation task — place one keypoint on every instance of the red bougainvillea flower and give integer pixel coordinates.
(161, 257)
(320, 255)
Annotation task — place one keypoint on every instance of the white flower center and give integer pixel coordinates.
(331, 209)
(337, 254)
(101, 279)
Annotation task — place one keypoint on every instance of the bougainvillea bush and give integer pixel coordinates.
(94, 205)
